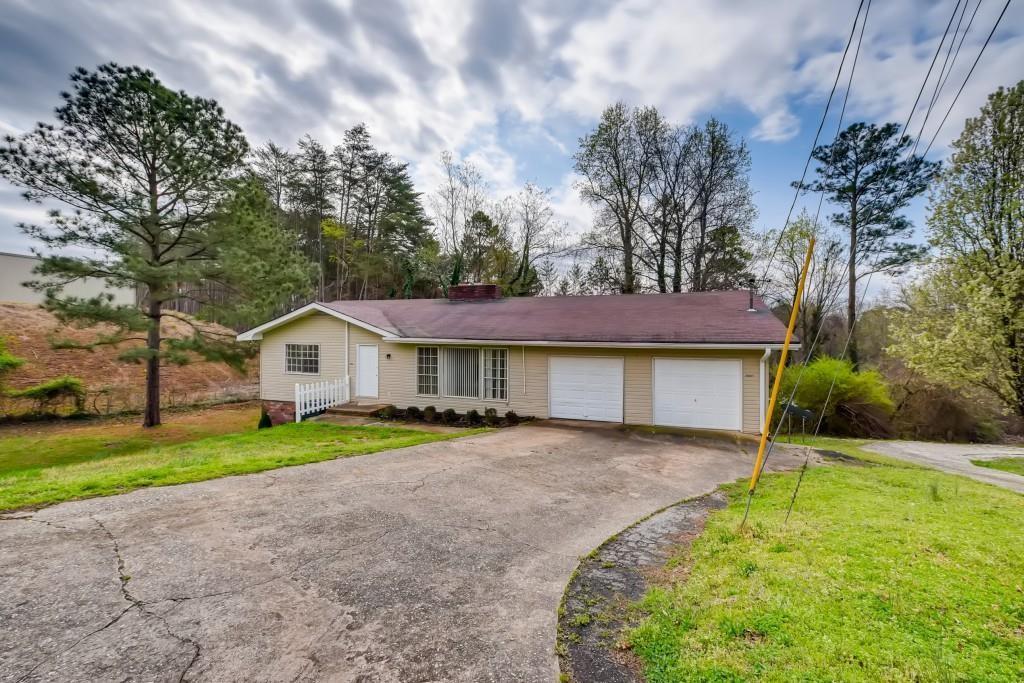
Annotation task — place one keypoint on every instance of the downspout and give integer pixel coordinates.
(764, 379)
(524, 370)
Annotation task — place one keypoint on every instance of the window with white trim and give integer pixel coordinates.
(302, 359)
(495, 374)
(461, 372)
(426, 370)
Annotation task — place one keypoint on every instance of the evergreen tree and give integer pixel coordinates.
(862, 172)
(310, 192)
(154, 180)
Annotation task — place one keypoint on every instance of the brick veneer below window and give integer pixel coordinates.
(280, 411)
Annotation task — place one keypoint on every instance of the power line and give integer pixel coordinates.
(961, 43)
(796, 302)
(913, 109)
(853, 323)
(849, 337)
(963, 85)
(917, 100)
(810, 155)
(942, 71)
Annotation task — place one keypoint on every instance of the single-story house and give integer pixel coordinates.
(696, 360)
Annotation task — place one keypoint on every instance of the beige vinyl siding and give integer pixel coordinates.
(527, 386)
(398, 380)
(316, 328)
(398, 384)
(638, 406)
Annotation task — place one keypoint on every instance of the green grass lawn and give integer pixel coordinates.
(80, 475)
(883, 573)
(1015, 465)
(46, 444)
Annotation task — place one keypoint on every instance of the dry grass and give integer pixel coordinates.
(32, 445)
(112, 384)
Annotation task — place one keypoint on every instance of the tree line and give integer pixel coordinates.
(369, 234)
(166, 195)
(673, 204)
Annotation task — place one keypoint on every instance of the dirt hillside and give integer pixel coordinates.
(113, 385)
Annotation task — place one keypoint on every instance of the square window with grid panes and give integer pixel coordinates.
(303, 359)
(426, 370)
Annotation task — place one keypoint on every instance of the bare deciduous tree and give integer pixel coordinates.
(617, 163)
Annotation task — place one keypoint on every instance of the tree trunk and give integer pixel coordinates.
(698, 254)
(629, 277)
(152, 414)
(1016, 361)
(677, 259)
(662, 255)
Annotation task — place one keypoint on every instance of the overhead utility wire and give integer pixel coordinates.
(807, 357)
(849, 336)
(810, 155)
(968, 76)
(806, 265)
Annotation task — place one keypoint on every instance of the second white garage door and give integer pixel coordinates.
(702, 394)
(584, 388)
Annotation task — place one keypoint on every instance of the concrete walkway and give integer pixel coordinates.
(441, 562)
(956, 458)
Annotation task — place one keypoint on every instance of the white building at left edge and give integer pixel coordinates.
(15, 269)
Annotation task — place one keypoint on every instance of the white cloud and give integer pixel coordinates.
(432, 75)
(570, 208)
(776, 126)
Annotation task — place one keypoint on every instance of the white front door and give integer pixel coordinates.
(585, 388)
(699, 393)
(366, 370)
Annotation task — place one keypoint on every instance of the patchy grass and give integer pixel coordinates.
(883, 573)
(48, 444)
(1014, 465)
(162, 464)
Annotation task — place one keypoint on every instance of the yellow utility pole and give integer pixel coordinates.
(778, 375)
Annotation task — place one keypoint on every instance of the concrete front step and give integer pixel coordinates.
(356, 409)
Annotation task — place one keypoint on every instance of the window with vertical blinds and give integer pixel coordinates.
(495, 374)
(462, 372)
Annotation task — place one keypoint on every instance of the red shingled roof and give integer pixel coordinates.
(694, 318)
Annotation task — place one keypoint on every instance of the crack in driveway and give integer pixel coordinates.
(447, 564)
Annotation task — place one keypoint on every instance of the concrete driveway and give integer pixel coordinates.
(439, 562)
(956, 458)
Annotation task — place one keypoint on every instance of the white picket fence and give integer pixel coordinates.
(319, 396)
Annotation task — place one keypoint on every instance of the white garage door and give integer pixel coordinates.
(703, 394)
(586, 388)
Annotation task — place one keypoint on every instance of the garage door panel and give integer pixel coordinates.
(583, 388)
(698, 393)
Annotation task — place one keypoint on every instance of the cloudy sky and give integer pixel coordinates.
(508, 85)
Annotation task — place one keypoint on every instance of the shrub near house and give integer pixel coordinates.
(855, 403)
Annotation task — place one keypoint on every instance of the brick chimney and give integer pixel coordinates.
(474, 292)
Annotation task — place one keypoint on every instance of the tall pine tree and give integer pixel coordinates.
(160, 202)
(863, 173)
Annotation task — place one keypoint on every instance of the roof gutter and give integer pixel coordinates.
(595, 344)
